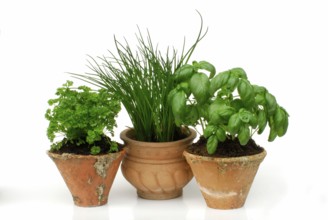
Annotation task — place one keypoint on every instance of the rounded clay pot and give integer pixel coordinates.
(224, 182)
(88, 177)
(157, 170)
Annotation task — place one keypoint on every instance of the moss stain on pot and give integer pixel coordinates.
(102, 165)
(100, 193)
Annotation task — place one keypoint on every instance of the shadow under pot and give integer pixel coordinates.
(88, 177)
(157, 170)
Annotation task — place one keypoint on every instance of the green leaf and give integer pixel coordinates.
(95, 150)
(232, 83)
(209, 130)
(179, 104)
(199, 85)
(191, 115)
(226, 111)
(262, 121)
(234, 124)
(244, 135)
(271, 103)
(239, 72)
(113, 147)
(207, 66)
(214, 114)
(184, 73)
(203, 111)
(185, 87)
(273, 133)
(237, 104)
(259, 89)
(260, 99)
(218, 81)
(221, 134)
(253, 121)
(212, 144)
(171, 95)
(245, 116)
(282, 129)
(245, 91)
(68, 83)
(279, 117)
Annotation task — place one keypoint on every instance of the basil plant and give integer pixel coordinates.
(225, 105)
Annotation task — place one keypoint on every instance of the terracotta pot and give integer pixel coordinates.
(224, 182)
(88, 177)
(156, 170)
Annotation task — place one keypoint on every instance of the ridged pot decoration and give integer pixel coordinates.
(157, 170)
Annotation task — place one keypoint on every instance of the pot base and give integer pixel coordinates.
(159, 196)
(223, 200)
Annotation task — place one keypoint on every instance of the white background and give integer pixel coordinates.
(282, 45)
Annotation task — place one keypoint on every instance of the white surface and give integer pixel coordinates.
(281, 44)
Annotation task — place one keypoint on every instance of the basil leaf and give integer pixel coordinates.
(171, 95)
(239, 72)
(213, 113)
(245, 91)
(260, 99)
(199, 85)
(245, 116)
(179, 103)
(220, 134)
(273, 133)
(209, 130)
(237, 104)
(218, 81)
(212, 144)
(234, 124)
(271, 103)
(232, 83)
(191, 115)
(184, 73)
(244, 135)
(253, 121)
(259, 89)
(207, 66)
(203, 111)
(185, 87)
(262, 121)
(279, 117)
(281, 131)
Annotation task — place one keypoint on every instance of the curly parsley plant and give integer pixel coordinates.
(82, 116)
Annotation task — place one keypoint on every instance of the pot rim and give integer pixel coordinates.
(80, 156)
(255, 157)
(124, 136)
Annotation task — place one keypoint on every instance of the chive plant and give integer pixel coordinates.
(142, 80)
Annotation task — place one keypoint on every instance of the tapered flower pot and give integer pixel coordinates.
(88, 177)
(157, 170)
(224, 182)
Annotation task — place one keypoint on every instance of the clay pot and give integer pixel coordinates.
(157, 170)
(88, 177)
(224, 182)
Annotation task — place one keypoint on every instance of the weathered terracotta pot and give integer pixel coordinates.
(88, 177)
(157, 170)
(224, 182)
